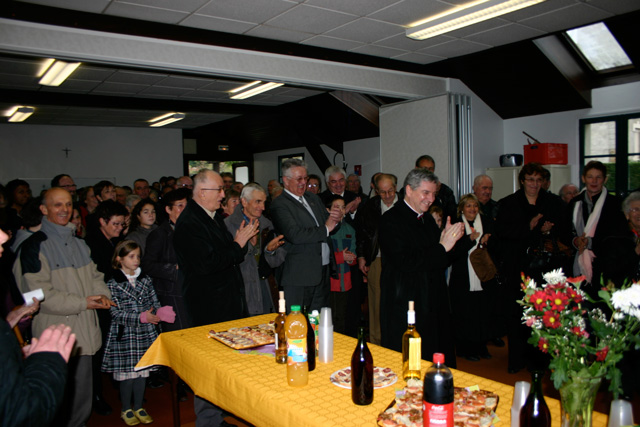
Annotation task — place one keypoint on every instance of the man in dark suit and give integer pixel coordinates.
(414, 261)
(301, 217)
(368, 247)
(336, 180)
(209, 258)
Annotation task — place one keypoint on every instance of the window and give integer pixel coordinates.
(599, 47)
(615, 141)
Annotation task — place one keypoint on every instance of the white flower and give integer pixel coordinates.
(531, 284)
(627, 300)
(554, 277)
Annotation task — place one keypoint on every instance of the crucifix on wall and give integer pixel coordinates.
(66, 152)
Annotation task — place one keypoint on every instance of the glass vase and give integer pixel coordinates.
(577, 397)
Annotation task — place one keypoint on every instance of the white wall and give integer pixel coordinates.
(366, 153)
(35, 153)
(563, 127)
(266, 164)
(411, 129)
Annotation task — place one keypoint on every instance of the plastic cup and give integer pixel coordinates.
(520, 393)
(621, 413)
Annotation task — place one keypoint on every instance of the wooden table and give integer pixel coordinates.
(255, 388)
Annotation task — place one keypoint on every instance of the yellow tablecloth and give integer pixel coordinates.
(255, 387)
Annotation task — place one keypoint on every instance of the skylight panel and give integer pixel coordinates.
(599, 47)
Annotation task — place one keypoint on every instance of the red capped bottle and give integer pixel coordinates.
(438, 394)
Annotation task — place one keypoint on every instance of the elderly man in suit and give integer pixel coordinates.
(301, 217)
(209, 258)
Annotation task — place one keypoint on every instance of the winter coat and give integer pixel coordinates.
(128, 337)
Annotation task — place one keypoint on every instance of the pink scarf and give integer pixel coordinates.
(585, 259)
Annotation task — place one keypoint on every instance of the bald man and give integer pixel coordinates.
(57, 262)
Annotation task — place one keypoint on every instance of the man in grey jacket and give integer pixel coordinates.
(263, 253)
(57, 262)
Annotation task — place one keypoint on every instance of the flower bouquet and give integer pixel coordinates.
(584, 338)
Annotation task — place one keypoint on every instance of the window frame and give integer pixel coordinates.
(622, 148)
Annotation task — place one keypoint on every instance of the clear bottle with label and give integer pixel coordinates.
(281, 336)
(438, 394)
(296, 330)
(411, 347)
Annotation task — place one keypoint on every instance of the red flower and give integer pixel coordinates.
(575, 296)
(543, 345)
(575, 279)
(601, 355)
(576, 330)
(558, 300)
(539, 300)
(551, 319)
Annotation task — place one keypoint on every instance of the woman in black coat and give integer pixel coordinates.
(472, 306)
(523, 219)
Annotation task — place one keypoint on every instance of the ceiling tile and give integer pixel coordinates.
(188, 6)
(269, 32)
(503, 35)
(408, 11)
(183, 82)
(28, 67)
(168, 92)
(310, 19)
(538, 9)
(217, 24)
(9, 80)
(246, 10)
(145, 13)
(296, 92)
(75, 85)
(563, 19)
(401, 41)
(134, 77)
(88, 72)
(205, 94)
(478, 28)
(454, 48)
(617, 6)
(94, 6)
(418, 58)
(354, 7)
(385, 52)
(119, 88)
(222, 86)
(366, 30)
(332, 43)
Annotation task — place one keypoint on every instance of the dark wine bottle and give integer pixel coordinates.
(438, 394)
(535, 412)
(362, 372)
(311, 341)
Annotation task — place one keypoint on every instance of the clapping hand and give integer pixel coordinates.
(96, 302)
(53, 339)
(451, 234)
(349, 257)
(22, 311)
(275, 243)
(246, 232)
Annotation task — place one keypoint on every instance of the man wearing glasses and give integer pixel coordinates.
(66, 182)
(306, 224)
(209, 257)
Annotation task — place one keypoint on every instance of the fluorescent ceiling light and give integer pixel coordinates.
(256, 90)
(247, 86)
(166, 119)
(465, 15)
(20, 114)
(58, 73)
(599, 47)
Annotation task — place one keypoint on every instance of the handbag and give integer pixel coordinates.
(548, 255)
(482, 263)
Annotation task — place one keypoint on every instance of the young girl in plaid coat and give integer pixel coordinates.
(134, 327)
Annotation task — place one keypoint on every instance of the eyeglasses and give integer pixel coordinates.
(312, 185)
(214, 189)
(335, 181)
(634, 210)
(534, 180)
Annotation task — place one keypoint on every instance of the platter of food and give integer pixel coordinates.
(472, 407)
(382, 377)
(246, 337)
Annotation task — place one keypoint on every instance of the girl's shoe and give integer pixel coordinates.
(129, 418)
(142, 415)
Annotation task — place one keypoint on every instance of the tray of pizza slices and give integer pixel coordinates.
(472, 407)
(246, 337)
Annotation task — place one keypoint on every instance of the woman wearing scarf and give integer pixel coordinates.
(470, 303)
(592, 216)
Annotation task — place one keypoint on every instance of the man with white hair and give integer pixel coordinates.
(568, 192)
(184, 182)
(336, 179)
(209, 258)
(483, 189)
(306, 224)
(264, 251)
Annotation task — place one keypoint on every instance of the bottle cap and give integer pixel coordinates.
(281, 293)
(295, 308)
(315, 313)
(281, 303)
(438, 358)
(411, 306)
